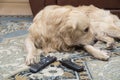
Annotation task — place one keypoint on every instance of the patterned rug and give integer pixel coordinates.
(13, 31)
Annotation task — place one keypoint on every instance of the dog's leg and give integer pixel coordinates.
(116, 20)
(96, 52)
(110, 41)
(114, 32)
(32, 51)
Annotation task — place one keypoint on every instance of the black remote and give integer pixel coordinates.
(45, 61)
(71, 65)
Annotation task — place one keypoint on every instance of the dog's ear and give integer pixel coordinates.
(69, 32)
(34, 31)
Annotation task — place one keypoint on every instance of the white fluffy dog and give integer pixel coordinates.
(60, 28)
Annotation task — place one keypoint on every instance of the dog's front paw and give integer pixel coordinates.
(31, 59)
(103, 56)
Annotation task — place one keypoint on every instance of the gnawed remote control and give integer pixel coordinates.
(42, 64)
(71, 65)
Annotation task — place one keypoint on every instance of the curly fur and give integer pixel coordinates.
(59, 28)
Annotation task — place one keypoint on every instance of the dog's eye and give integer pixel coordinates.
(87, 29)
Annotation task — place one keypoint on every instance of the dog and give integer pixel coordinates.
(61, 28)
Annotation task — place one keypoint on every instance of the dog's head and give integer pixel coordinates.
(77, 30)
(61, 27)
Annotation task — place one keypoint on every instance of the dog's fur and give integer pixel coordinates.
(60, 28)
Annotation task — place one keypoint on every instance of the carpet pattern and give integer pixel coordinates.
(13, 31)
(13, 26)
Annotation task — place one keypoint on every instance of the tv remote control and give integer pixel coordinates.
(45, 61)
(71, 65)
